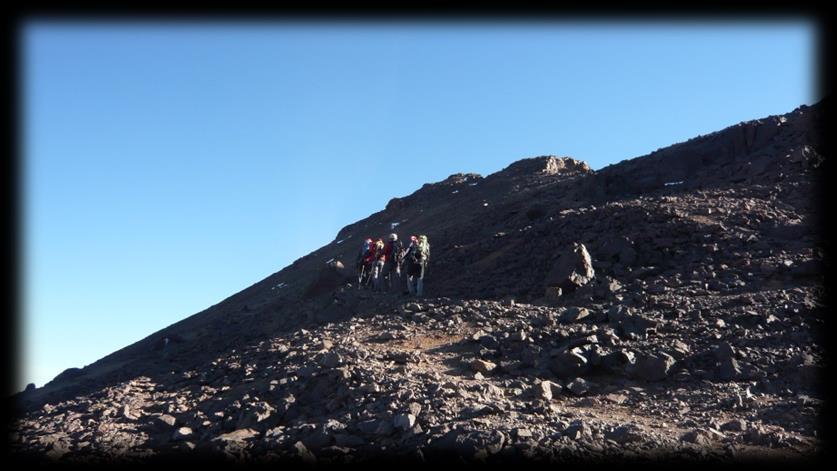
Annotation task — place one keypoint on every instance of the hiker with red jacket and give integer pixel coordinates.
(392, 266)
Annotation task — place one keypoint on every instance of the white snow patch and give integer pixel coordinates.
(454, 192)
(340, 241)
(393, 225)
(485, 204)
(474, 184)
(280, 285)
(329, 260)
(674, 183)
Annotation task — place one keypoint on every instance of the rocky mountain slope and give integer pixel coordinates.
(671, 305)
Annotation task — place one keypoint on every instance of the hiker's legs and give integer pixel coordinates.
(376, 275)
(410, 285)
(420, 282)
(386, 274)
(393, 276)
(367, 275)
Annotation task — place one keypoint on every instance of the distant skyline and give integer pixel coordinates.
(167, 166)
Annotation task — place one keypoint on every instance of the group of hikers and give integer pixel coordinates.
(380, 263)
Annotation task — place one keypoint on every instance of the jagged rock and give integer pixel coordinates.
(574, 314)
(572, 270)
(404, 421)
(579, 386)
(522, 433)
(697, 437)
(569, 363)
(577, 430)
(254, 414)
(547, 389)
(606, 287)
(763, 436)
(182, 433)
(651, 367)
(166, 420)
(303, 453)
(680, 350)
(625, 434)
(582, 341)
(482, 366)
(237, 435)
(619, 361)
(737, 425)
(330, 277)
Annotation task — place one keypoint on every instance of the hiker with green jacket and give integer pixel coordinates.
(418, 255)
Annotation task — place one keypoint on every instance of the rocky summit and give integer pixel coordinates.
(668, 306)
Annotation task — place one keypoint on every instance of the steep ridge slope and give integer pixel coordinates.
(708, 282)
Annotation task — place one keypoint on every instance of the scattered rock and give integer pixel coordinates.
(482, 366)
(182, 433)
(651, 367)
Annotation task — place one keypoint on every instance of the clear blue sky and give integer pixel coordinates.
(168, 166)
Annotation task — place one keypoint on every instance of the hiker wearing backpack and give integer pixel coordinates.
(363, 264)
(417, 258)
(392, 267)
(379, 260)
(408, 262)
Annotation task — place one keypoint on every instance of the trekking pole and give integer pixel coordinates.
(368, 276)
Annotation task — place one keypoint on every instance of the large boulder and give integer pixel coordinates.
(572, 270)
(651, 367)
(331, 276)
(569, 363)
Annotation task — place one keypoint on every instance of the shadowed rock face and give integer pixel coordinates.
(688, 322)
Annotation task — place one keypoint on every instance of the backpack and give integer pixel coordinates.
(424, 249)
(413, 254)
(393, 250)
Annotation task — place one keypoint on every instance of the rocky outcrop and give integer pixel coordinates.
(572, 270)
